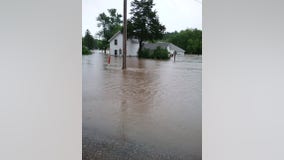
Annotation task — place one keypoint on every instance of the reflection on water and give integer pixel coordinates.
(154, 103)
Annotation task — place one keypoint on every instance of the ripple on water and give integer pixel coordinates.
(156, 103)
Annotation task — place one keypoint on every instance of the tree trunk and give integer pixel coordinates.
(140, 46)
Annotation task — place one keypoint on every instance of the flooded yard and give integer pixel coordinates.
(152, 110)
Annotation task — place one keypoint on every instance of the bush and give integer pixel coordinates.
(85, 50)
(158, 53)
(144, 53)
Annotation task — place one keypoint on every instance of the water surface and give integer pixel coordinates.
(153, 103)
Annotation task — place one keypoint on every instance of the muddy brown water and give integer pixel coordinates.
(154, 103)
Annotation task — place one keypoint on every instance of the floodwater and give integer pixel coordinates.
(153, 103)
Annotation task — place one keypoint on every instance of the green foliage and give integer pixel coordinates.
(99, 44)
(190, 40)
(144, 23)
(144, 53)
(109, 26)
(88, 40)
(158, 53)
(85, 50)
(88, 43)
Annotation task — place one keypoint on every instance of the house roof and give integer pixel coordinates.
(115, 35)
(164, 45)
(119, 32)
(153, 46)
(176, 48)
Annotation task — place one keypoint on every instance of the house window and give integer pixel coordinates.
(115, 42)
(115, 52)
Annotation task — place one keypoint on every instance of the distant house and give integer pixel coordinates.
(165, 45)
(116, 45)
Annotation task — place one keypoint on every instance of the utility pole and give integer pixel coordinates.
(124, 33)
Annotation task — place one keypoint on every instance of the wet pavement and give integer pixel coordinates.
(152, 110)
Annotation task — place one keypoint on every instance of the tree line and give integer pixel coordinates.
(143, 25)
(90, 43)
(190, 40)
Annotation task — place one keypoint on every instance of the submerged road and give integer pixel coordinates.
(152, 110)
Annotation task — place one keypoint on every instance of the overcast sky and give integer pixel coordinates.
(176, 15)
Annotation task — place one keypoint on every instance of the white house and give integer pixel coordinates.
(116, 45)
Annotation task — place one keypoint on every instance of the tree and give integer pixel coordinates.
(98, 44)
(85, 50)
(109, 26)
(88, 40)
(144, 23)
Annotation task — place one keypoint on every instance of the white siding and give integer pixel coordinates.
(169, 50)
(132, 47)
(113, 47)
(180, 53)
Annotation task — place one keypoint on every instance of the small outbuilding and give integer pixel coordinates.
(165, 45)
